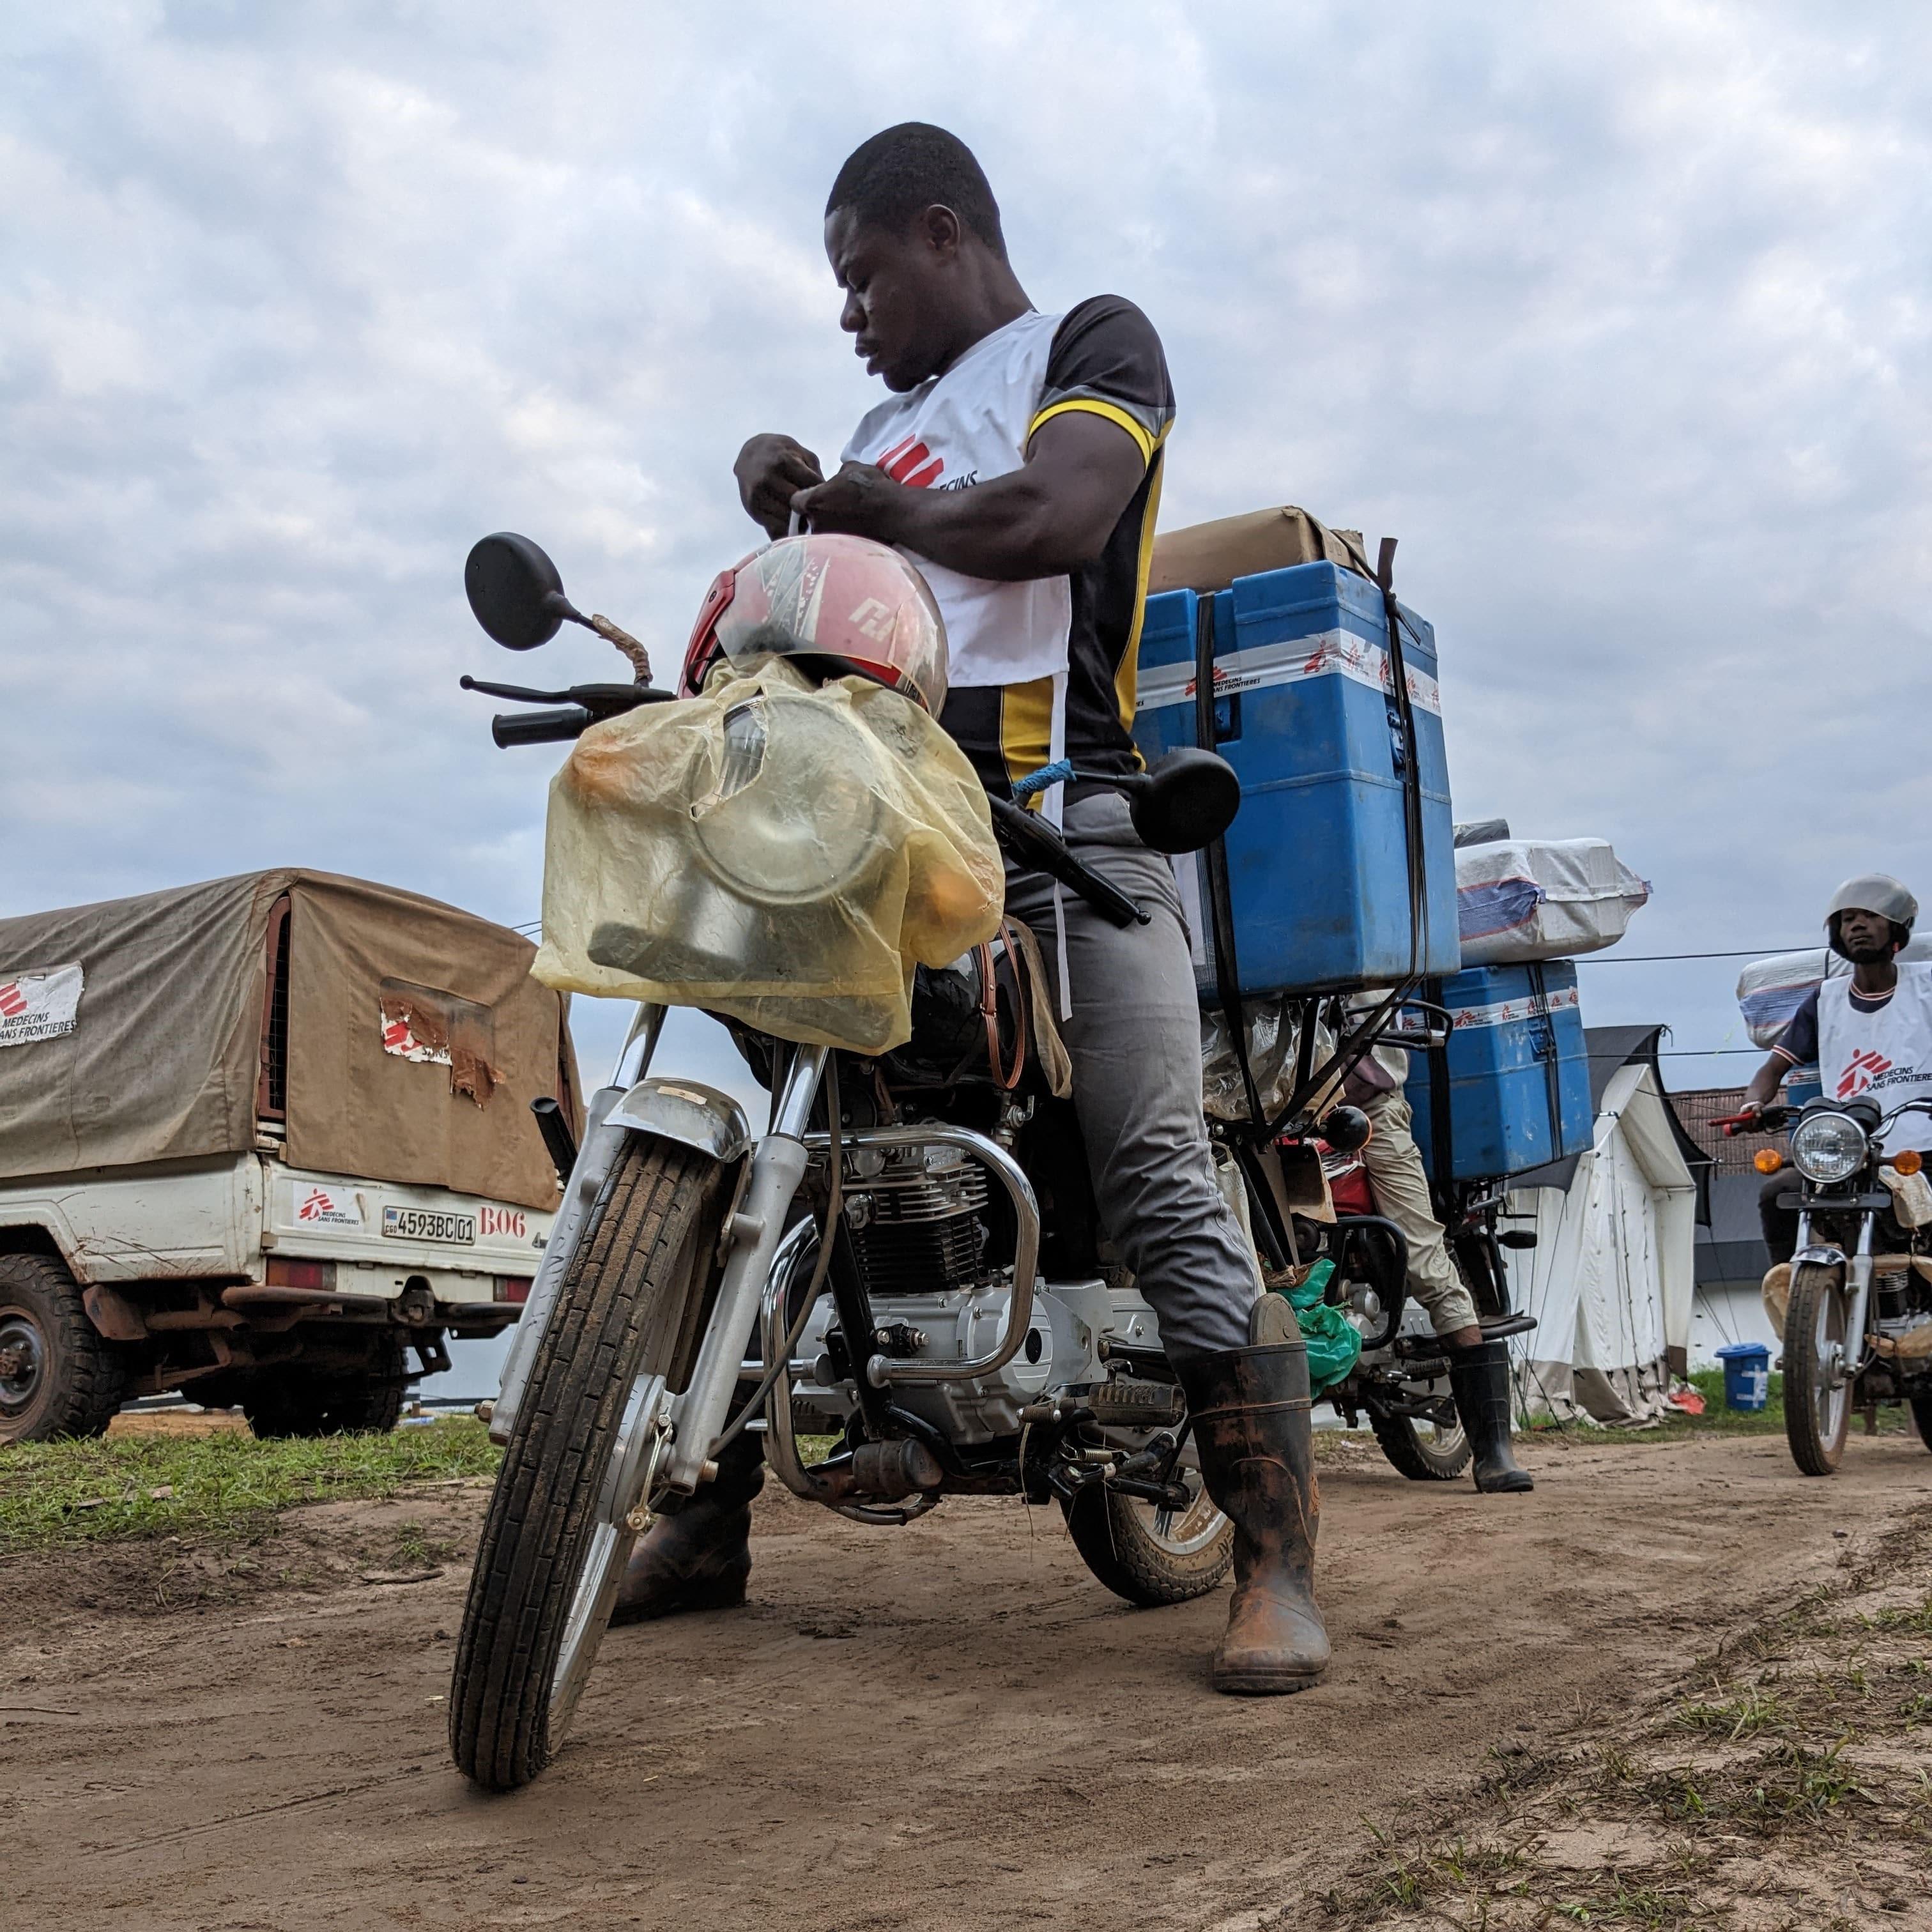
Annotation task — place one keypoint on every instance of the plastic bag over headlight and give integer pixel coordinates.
(794, 812)
(1828, 1148)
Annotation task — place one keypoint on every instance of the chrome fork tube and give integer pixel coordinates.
(1860, 1270)
(751, 1240)
(596, 1155)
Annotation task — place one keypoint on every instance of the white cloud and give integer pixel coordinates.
(1619, 318)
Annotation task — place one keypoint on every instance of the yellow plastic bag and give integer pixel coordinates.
(780, 852)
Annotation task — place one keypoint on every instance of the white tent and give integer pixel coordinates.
(1610, 1280)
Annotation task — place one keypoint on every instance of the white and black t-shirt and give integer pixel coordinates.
(1044, 668)
(1882, 1047)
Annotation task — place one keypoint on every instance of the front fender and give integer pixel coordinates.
(1820, 1255)
(689, 1112)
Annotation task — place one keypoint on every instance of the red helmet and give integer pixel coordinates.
(854, 604)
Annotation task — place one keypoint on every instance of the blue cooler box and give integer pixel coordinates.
(1516, 1072)
(1317, 857)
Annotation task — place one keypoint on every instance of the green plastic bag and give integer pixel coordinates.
(1334, 1342)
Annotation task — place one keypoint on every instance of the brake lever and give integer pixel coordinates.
(600, 700)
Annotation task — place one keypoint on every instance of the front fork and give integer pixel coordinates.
(749, 1243)
(1858, 1271)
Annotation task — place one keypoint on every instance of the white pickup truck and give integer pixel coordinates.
(262, 1140)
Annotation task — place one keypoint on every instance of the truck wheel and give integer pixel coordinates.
(298, 1401)
(1150, 1556)
(58, 1377)
(1425, 1452)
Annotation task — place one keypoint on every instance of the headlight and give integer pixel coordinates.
(794, 813)
(1828, 1148)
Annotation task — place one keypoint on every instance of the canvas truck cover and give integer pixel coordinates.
(133, 1031)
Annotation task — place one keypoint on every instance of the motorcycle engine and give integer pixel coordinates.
(916, 1218)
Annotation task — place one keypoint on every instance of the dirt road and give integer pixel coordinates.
(950, 1726)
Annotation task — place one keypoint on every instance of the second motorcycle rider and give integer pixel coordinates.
(1018, 462)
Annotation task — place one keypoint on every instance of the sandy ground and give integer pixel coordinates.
(949, 1726)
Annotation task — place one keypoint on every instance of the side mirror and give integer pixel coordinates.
(1347, 1129)
(1186, 801)
(515, 592)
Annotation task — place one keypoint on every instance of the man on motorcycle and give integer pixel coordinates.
(1870, 1033)
(1017, 460)
(1478, 1369)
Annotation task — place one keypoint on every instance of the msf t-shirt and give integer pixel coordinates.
(1880, 1047)
(1042, 669)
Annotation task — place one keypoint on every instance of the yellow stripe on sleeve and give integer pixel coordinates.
(1094, 407)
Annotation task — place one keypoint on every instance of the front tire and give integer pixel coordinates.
(58, 1376)
(1424, 1452)
(1817, 1381)
(1148, 1555)
(550, 1562)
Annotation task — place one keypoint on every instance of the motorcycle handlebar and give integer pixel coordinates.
(1031, 841)
(560, 727)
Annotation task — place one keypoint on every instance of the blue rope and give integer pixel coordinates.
(1044, 779)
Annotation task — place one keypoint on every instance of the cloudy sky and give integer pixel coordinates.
(1617, 317)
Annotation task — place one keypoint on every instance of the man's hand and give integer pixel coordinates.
(771, 470)
(861, 501)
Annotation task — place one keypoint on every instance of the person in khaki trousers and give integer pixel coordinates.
(1478, 1368)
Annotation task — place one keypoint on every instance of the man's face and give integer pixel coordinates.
(898, 293)
(1865, 936)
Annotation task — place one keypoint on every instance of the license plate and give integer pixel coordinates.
(423, 1224)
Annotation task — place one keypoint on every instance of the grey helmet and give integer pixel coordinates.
(1873, 892)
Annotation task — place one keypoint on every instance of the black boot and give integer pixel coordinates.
(698, 1559)
(1480, 1378)
(1250, 1408)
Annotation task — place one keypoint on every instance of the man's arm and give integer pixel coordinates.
(1050, 516)
(1796, 1045)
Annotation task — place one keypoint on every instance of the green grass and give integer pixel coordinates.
(1717, 1419)
(56, 1494)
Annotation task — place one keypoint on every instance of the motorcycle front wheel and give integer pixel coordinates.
(555, 1539)
(1817, 1377)
(1150, 1555)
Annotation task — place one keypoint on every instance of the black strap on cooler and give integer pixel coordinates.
(1552, 1081)
(1404, 707)
(1220, 901)
(1441, 1132)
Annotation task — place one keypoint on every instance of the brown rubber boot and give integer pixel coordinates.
(699, 1558)
(1250, 1408)
(1479, 1378)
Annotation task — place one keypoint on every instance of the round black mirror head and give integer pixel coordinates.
(514, 591)
(1347, 1129)
(1186, 801)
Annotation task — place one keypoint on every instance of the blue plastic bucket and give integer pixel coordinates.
(1746, 1375)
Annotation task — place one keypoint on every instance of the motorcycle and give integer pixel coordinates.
(1858, 1327)
(912, 1241)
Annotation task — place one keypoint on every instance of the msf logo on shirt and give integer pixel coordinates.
(909, 462)
(1864, 1068)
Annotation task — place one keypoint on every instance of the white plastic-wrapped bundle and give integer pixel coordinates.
(1770, 991)
(1521, 900)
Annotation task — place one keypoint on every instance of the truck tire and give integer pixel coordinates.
(297, 1402)
(1147, 1555)
(58, 1376)
(552, 1549)
(1424, 1452)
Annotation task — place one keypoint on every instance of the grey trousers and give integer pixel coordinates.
(1134, 1040)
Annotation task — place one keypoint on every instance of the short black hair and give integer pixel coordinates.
(898, 174)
